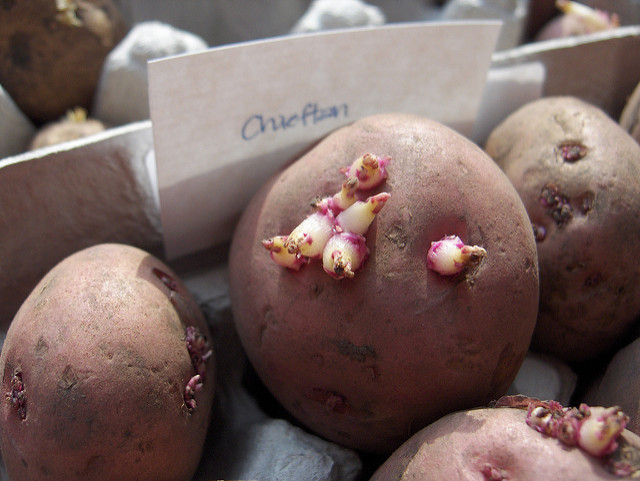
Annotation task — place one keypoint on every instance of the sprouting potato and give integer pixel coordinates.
(106, 373)
(410, 288)
(578, 174)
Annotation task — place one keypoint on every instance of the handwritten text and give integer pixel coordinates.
(311, 114)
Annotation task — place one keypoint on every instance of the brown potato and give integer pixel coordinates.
(52, 51)
(74, 125)
(99, 373)
(369, 360)
(578, 174)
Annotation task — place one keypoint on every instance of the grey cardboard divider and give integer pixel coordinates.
(57, 200)
(601, 68)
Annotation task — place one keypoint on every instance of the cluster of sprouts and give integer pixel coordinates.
(199, 351)
(17, 397)
(595, 430)
(334, 231)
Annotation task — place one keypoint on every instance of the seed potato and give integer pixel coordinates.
(578, 174)
(368, 360)
(106, 373)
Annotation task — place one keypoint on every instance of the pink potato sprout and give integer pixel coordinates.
(369, 169)
(311, 235)
(595, 430)
(344, 253)
(592, 19)
(17, 397)
(335, 231)
(199, 351)
(450, 256)
(281, 255)
(359, 216)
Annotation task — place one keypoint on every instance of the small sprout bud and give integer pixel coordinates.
(370, 170)
(193, 386)
(557, 204)
(344, 253)
(198, 348)
(539, 232)
(281, 255)
(311, 235)
(450, 255)
(541, 419)
(347, 195)
(340, 200)
(199, 352)
(599, 431)
(17, 397)
(594, 20)
(360, 215)
(571, 151)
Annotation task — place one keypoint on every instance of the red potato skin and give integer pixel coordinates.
(367, 361)
(101, 351)
(466, 445)
(589, 293)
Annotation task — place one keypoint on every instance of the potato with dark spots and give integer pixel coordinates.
(106, 373)
(578, 174)
(369, 359)
(52, 52)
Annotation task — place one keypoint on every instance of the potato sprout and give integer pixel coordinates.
(335, 230)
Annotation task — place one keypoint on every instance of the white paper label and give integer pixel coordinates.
(226, 119)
